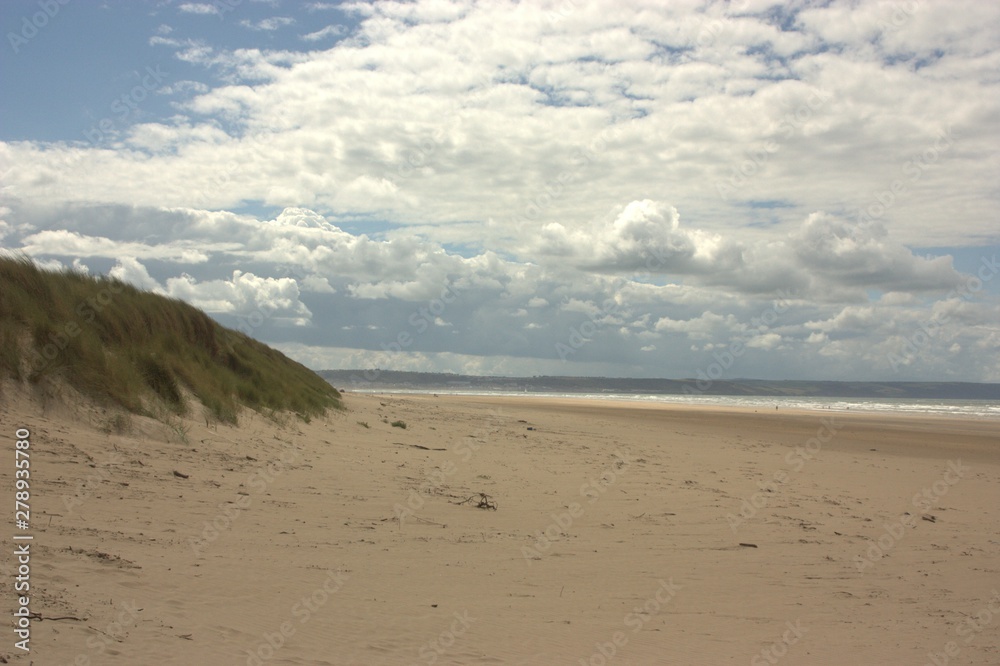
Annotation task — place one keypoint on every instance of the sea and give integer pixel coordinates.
(973, 409)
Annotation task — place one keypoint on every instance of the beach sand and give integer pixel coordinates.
(616, 538)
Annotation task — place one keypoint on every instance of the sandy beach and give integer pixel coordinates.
(623, 533)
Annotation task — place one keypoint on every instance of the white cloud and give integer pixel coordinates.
(816, 337)
(183, 88)
(851, 254)
(5, 227)
(317, 284)
(268, 24)
(824, 254)
(765, 341)
(703, 327)
(203, 8)
(244, 294)
(71, 243)
(131, 270)
(337, 30)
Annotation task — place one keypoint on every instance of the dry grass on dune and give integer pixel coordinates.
(120, 345)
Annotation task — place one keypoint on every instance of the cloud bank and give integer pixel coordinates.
(496, 183)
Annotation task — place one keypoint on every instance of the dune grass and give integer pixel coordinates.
(118, 344)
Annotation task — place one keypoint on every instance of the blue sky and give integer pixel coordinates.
(90, 54)
(579, 188)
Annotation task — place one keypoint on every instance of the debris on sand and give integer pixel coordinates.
(483, 501)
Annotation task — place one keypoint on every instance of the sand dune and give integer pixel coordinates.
(617, 536)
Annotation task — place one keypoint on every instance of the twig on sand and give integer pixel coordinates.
(483, 501)
(419, 446)
(40, 617)
(429, 522)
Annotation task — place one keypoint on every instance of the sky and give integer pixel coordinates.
(711, 190)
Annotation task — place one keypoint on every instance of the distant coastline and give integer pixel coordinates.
(375, 379)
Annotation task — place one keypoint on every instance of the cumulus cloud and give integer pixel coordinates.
(243, 294)
(129, 269)
(317, 284)
(861, 255)
(644, 234)
(824, 253)
(765, 341)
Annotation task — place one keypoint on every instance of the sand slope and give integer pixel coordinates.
(616, 538)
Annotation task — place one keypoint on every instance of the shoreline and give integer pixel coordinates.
(706, 401)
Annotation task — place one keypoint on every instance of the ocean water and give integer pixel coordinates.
(977, 409)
